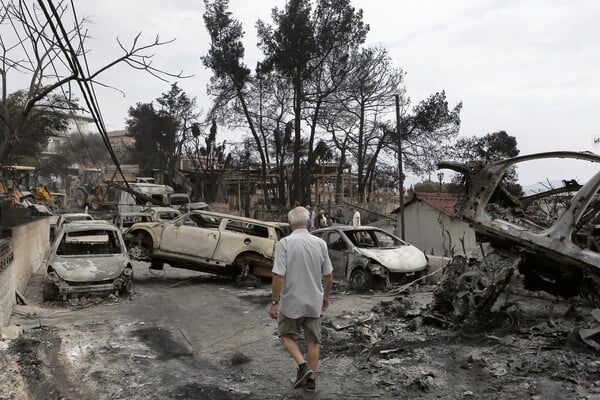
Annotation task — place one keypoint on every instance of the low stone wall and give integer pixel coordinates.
(29, 244)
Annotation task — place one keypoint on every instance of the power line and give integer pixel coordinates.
(85, 84)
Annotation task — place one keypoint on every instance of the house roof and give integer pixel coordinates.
(117, 133)
(444, 202)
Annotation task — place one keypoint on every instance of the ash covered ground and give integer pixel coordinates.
(188, 335)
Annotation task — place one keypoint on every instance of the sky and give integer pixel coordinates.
(529, 67)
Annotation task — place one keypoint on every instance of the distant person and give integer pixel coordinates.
(395, 231)
(355, 217)
(339, 216)
(53, 182)
(59, 183)
(301, 284)
(311, 218)
(68, 183)
(322, 219)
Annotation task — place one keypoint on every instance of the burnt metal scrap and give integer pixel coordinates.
(468, 291)
(559, 250)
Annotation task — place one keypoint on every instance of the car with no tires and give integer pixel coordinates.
(88, 257)
(207, 241)
(361, 254)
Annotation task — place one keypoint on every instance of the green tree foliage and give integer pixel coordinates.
(361, 106)
(298, 47)
(85, 149)
(316, 79)
(491, 147)
(179, 107)
(45, 42)
(427, 132)
(48, 118)
(209, 162)
(155, 136)
(231, 77)
(430, 187)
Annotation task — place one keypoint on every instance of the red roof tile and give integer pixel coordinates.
(445, 202)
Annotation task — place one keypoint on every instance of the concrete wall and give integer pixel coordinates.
(29, 244)
(435, 232)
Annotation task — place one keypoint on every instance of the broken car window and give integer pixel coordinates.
(247, 228)
(361, 238)
(89, 242)
(385, 240)
(335, 241)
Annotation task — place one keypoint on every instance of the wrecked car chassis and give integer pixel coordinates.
(553, 258)
(121, 285)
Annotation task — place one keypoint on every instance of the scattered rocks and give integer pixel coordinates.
(10, 332)
(238, 358)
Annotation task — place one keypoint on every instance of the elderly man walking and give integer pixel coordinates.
(301, 284)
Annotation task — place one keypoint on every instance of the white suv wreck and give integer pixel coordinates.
(206, 241)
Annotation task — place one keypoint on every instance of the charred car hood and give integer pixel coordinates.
(398, 259)
(91, 268)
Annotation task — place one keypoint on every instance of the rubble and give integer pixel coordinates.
(469, 290)
(556, 240)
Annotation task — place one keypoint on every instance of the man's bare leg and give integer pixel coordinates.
(292, 347)
(313, 350)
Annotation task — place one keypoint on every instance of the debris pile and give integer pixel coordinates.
(469, 290)
(401, 346)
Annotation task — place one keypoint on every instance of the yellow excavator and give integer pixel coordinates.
(19, 183)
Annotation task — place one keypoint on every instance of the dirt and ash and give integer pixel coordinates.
(374, 346)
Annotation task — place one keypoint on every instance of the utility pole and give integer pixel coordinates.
(400, 170)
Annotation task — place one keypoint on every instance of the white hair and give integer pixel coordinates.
(298, 216)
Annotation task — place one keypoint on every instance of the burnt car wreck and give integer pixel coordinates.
(558, 251)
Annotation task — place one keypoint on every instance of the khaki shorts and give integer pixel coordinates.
(291, 327)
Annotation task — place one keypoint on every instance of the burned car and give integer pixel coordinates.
(126, 220)
(88, 257)
(207, 241)
(167, 214)
(359, 254)
(66, 218)
(555, 231)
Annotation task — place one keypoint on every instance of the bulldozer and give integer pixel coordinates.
(92, 190)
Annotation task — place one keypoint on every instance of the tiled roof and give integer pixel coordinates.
(444, 202)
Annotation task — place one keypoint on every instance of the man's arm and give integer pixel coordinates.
(277, 285)
(327, 284)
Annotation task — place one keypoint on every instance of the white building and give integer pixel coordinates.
(432, 224)
(78, 124)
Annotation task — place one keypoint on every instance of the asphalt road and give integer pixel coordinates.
(181, 335)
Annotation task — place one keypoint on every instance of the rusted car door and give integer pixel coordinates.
(187, 237)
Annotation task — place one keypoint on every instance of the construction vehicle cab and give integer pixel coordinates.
(93, 190)
(20, 183)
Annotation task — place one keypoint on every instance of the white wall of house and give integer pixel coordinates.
(77, 124)
(435, 232)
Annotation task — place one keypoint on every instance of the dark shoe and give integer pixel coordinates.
(310, 385)
(303, 373)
